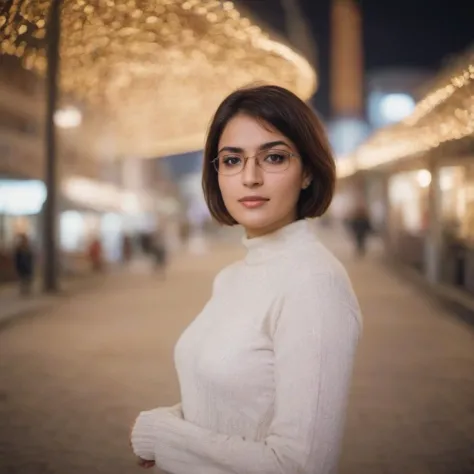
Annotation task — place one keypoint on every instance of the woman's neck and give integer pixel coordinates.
(252, 233)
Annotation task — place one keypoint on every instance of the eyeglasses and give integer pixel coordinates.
(270, 161)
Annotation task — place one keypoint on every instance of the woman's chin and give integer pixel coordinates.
(255, 227)
(254, 220)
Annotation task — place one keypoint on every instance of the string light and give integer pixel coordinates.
(445, 114)
(156, 69)
(444, 87)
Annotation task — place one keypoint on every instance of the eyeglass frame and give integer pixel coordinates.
(246, 158)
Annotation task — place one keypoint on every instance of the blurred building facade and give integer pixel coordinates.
(20, 151)
(96, 197)
(186, 171)
(424, 170)
(391, 95)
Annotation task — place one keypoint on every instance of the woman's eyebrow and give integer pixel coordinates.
(264, 146)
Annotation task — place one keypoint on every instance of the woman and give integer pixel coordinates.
(265, 369)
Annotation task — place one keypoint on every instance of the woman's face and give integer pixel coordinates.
(261, 200)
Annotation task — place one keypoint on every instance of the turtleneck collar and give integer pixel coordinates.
(267, 246)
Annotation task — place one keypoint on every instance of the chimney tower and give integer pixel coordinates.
(347, 63)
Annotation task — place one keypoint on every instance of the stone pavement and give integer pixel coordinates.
(74, 376)
(13, 305)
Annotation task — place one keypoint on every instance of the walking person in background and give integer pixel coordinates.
(265, 369)
(360, 228)
(158, 249)
(95, 255)
(24, 263)
(127, 249)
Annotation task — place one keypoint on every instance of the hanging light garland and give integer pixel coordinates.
(445, 114)
(156, 69)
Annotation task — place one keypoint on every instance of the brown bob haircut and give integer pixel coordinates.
(285, 112)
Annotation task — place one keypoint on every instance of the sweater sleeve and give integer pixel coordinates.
(315, 338)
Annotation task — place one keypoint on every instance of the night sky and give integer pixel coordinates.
(397, 33)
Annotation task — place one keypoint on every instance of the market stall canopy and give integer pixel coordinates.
(445, 114)
(155, 69)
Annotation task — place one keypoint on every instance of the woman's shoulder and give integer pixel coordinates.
(227, 273)
(315, 275)
(312, 261)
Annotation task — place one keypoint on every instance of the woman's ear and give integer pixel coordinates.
(307, 178)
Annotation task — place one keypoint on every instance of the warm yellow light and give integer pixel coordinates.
(423, 178)
(445, 114)
(156, 69)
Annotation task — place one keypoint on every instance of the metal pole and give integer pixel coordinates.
(50, 207)
(298, 31)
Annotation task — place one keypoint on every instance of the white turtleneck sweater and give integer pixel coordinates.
(264, 369)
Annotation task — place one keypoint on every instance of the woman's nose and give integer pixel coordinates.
(252, 174)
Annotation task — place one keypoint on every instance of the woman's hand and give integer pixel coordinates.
(146, 464)
(173, 411)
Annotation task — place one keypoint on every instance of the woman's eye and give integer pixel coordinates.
(231, 160)
(276, 158)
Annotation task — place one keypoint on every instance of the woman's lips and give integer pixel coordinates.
(252, 202)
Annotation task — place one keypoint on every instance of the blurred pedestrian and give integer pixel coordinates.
(360, 228)
(265, 369)
(127, 249)
(95, 255)
(24, 263)
(158, 250)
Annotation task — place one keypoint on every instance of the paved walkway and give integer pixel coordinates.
(73, 377)
(12, 304)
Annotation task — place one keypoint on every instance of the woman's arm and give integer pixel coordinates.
(315, 338)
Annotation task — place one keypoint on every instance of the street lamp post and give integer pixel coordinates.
(50, 277)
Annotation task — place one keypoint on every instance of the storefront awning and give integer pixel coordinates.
(445, 114)
(153, 72)
(99, 196)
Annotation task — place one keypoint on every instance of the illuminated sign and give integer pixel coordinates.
(21, 198)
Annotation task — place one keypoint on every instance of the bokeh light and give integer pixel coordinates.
(156, 69)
